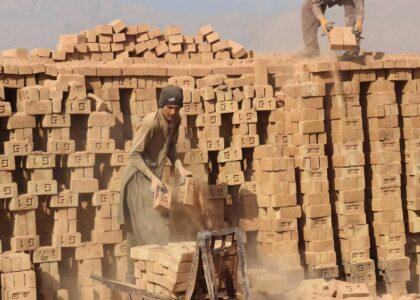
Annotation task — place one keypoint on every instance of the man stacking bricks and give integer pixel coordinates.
(155, 141)
(313, 17)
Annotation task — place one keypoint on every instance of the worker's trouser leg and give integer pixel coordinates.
(131, 242)
(350, 20)
(310, 25)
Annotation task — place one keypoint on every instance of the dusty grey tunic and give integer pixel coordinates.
(319, 5)
(155, 140)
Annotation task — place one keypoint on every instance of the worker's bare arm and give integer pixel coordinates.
(317, 9)
(360, 9)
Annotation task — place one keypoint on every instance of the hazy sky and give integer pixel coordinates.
(262, 25)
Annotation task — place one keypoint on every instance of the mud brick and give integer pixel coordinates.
(101, 119)
(317, 211)
(13, 81)
(363, 75)
(47, 254)
(7, 163)
(89, 251)
(8, 190)
(320, 258)
(16, 280)
(261, 73)
(56, 121)
(246, 141)
(324, 271)
(315, 234)
(192, 109)
(23, 202)
(42, 187)
(140, 47)
(226, 107)
(218, 191)
(20, 120)
(68, 240)
(162, 200)
(307, 127)
(100, 146)
(212, 144)
(40, 160)
(397, 275)
(15, 262)
(208, 120)
(277, 201)
(388, 216)
(264, 104)
(231, 178)
(64, 199)
(78, 106)
(319, 246)
(24, 243)
(350, 208)
(394, 263)
(81, 159)
(20, 293)
(5, 109)
(288, 212)
(399, 74)
(61, 146)
(336, 38)
(195, 156)
(276, 164)
(105, 197)
(85, 185)
(229, 154)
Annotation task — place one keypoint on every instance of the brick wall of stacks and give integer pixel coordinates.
(318, 163)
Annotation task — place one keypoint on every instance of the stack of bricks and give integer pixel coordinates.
(348, 160)
(163, 270)
(68, 128)
(278, 211)
(89, 261)
(411, 116)
(385, 159)
(18, 280)
(305, 101)
(117, 40)
(47, 259)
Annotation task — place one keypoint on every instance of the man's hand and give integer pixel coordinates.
(156, 183)
(358, 28)
(324, 25)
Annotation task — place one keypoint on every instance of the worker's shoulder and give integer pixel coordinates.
(149, 119)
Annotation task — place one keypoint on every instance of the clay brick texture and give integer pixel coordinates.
(317, 162)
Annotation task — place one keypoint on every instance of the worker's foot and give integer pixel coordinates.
(306, 53)
(351, 55)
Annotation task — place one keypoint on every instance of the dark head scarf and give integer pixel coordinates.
(171, 95)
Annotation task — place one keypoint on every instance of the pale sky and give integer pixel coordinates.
(261, 25)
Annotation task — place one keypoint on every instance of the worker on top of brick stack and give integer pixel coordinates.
(155, 140)
(313, 17)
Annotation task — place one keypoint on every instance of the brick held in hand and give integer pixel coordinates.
(162, 200)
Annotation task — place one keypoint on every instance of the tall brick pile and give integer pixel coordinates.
(117, 40)
(316, 161)
(348, 162)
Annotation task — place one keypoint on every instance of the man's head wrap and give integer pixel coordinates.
(171, 95)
